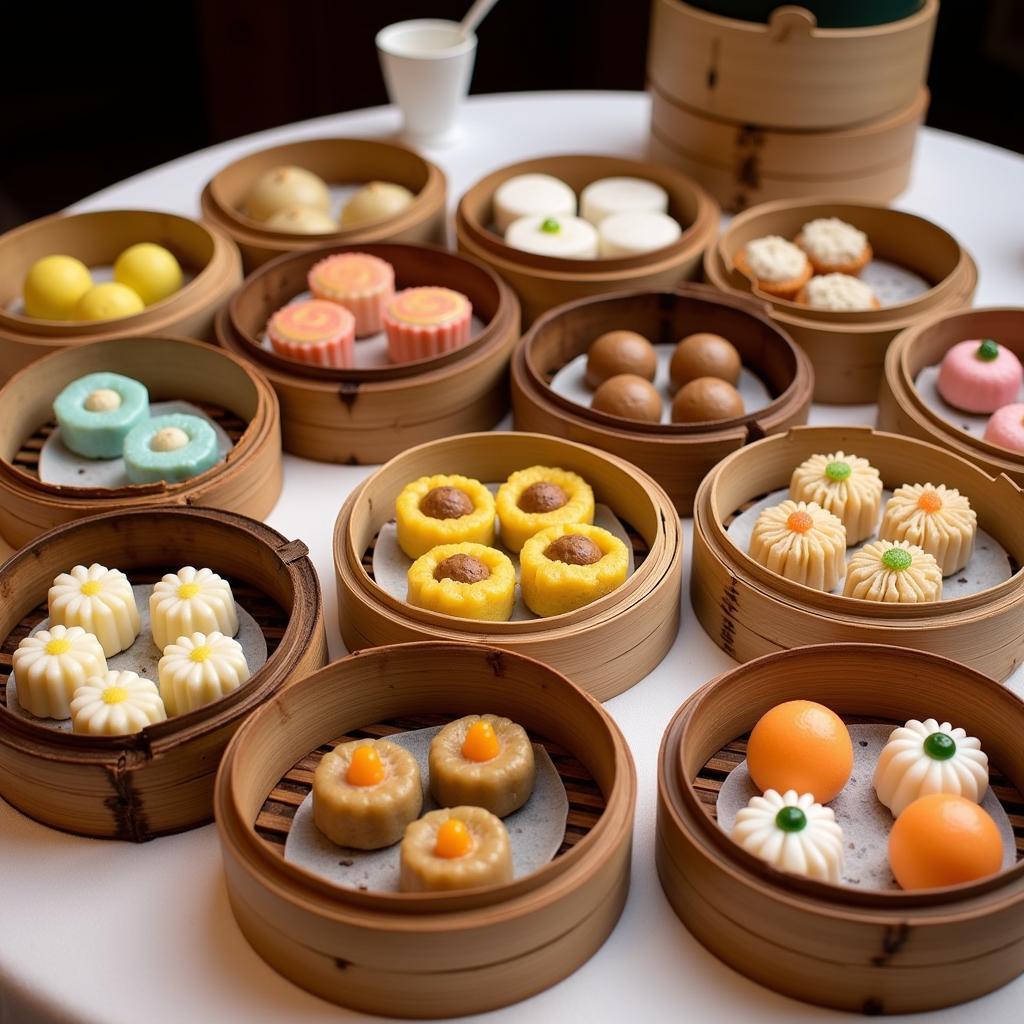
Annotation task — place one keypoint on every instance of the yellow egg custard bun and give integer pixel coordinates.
(568, 566)
(443, 510)
(455, 848)
(533, 499)
(470, 581)
(365, 793)
(483, 760)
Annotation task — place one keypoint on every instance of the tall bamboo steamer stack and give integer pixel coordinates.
(756, 111)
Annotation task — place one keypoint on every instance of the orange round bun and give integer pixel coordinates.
(803, 746)
(940, 840)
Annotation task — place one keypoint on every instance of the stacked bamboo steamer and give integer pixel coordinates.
(756, 111)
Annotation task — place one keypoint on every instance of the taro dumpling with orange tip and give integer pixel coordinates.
(482, 760)
(455, 848)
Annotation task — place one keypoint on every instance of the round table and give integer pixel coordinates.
(110, 933)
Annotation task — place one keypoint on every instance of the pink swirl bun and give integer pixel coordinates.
(980, 376)
(1006, 427)
(322, 333)
(362, 283)
(423, 322)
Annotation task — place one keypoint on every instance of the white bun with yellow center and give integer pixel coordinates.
(100, 600)
(51, 664)
(191, 601)
(199, 669)
(116, 704)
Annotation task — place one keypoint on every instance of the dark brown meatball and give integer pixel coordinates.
(446, 503)
(543, 497)
(462, 569)
(573, 550)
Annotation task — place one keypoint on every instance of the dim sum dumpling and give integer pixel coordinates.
(847, 486)
(801, 541)
(893, 571)
(938, 519)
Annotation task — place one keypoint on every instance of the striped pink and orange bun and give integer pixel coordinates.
(423, 322)
(313, 331)
(362, 283)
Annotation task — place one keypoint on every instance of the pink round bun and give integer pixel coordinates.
(1006, 427)
(974, 384)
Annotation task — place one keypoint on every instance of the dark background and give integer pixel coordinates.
(94, 94)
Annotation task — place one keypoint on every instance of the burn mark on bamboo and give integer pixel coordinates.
(131, 822)
(711, 76)
(894, 938)
(873, 1007)
(348, 392)
(497, 662)
(729, 605)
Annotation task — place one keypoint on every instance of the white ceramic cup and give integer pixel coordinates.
(427, 65)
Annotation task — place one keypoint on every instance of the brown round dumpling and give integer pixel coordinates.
(620, 352)
(704, 355)
(705, 399)
(628, 396)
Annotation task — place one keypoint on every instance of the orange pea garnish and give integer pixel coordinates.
(480, 743)
(799, 521)
(453, 840)
(929, 501)
(365, 768)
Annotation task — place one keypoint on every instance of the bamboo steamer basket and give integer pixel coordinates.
(337, 161)
(605, 647)
(788, 73)
(741, 164)
(678, 456)
(866, 951)
(425, 954)
(97, 239)
(367, 416)
(231, 392)
(542, 282)
(749, 611)
(160, 780)
(847, 349)
(900, 406)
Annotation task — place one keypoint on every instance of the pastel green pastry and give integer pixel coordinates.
(97, 412)
(172, 448)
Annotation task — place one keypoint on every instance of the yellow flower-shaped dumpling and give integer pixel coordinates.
(533, 499)
(50, 665)
(116, 704)
(199, 669)
(437, 510)
(566, 567)
(100, 600)
(191, 600)
(471, 581)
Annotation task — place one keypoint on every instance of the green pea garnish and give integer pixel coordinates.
(897, 559)
(987, 351)
(551, 226)
(940, 746)
(791, 819)
(837, 471)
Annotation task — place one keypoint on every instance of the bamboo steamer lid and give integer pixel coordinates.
(336, 161)
(160, 780)
(853, 949)
(97, 239)
(426, 954)
(232, 392)
(750, 611)
(901, 408)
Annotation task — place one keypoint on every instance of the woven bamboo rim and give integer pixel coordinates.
(788, 73)
(900, 406)
(678, 456)
(749, 611)
(544, 281)
(160, 780)
(867, 951)
(607, 646)
(336, 160)
(232, 391)
(366, 417)
(425, 954)
(97, 239)
(848, 349)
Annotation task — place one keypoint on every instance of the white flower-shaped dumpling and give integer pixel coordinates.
(200, 668)
(100, 600)
(116, 704)
(792, 833)
(191, 601)
(926, 757)
(50, 665)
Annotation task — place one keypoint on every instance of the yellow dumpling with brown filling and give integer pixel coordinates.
(533, 499)
(482, 760)
(566, 567)
(365, 792)
(471, 581)
(443, 509)
(455, 848)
